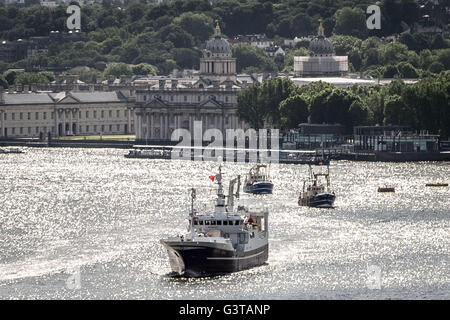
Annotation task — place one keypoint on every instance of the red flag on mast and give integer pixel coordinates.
(211, 178)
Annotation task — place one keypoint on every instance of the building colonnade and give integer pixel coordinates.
(159, 124)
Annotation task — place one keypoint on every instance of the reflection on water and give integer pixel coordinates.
(96, 210)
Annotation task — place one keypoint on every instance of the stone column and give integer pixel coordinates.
(152, 120)
(64, 122)
(160, 126)
(2, 118)
(76, 118)
(166, 126)
(2, 133)
(55, 119)
(136, 124)
(128, 121)
(147, 125)
(70, 120)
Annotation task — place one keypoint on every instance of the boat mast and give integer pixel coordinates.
(231, 196)
(220, 204)
(193, 196)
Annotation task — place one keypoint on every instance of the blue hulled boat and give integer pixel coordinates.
(315, 194)
(257, 181)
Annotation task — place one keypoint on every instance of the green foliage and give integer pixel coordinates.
(158, 34)
(422, 106)
(251, 56)
(143, 69)
(249, 109)
(406, 70)
(10, 76)
(90, 76)
(436, 67)
(3, 82)
(32, 77)
(350, 21)
(293, 111)
(117, 70)
(199, 25)
(259, 105)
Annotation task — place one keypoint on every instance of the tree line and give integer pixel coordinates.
(279, 103)
(170, 35)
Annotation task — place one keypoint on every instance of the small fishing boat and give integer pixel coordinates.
(148, 154)
(437, 184)
(386, 189)
(315, 193)
(11, 150)
(229, 239)
(257, 181)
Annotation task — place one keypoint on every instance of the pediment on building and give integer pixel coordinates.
(201, 83)
(155, 103)
(68, 99)
(210, 103)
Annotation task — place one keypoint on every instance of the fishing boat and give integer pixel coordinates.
(11, 150)
(257, 181)
(436, 184)
(386, 189)
(315, 193)
(227, 240)
(148, 154)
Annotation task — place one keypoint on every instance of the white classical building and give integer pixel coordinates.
(35, 114)
(321, 60)
(172, 103)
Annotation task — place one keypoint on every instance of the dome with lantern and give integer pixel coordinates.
(218, 45)
(321, 46)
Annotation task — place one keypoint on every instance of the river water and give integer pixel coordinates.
(86, 223)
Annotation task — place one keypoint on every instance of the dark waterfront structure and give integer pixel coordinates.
(393, 138)
(312, 135)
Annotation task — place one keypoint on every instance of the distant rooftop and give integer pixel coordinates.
(50, 97)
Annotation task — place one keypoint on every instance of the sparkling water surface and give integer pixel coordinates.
(97, 215)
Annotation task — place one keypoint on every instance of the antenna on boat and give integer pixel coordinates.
(220, 195)
(193, 196)
(231, 195)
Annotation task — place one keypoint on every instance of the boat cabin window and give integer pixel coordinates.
(201, 222)
(195, 222)
(236, 222)
(219, 222)
(225, 222)
(206, 222)
(213, 222)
